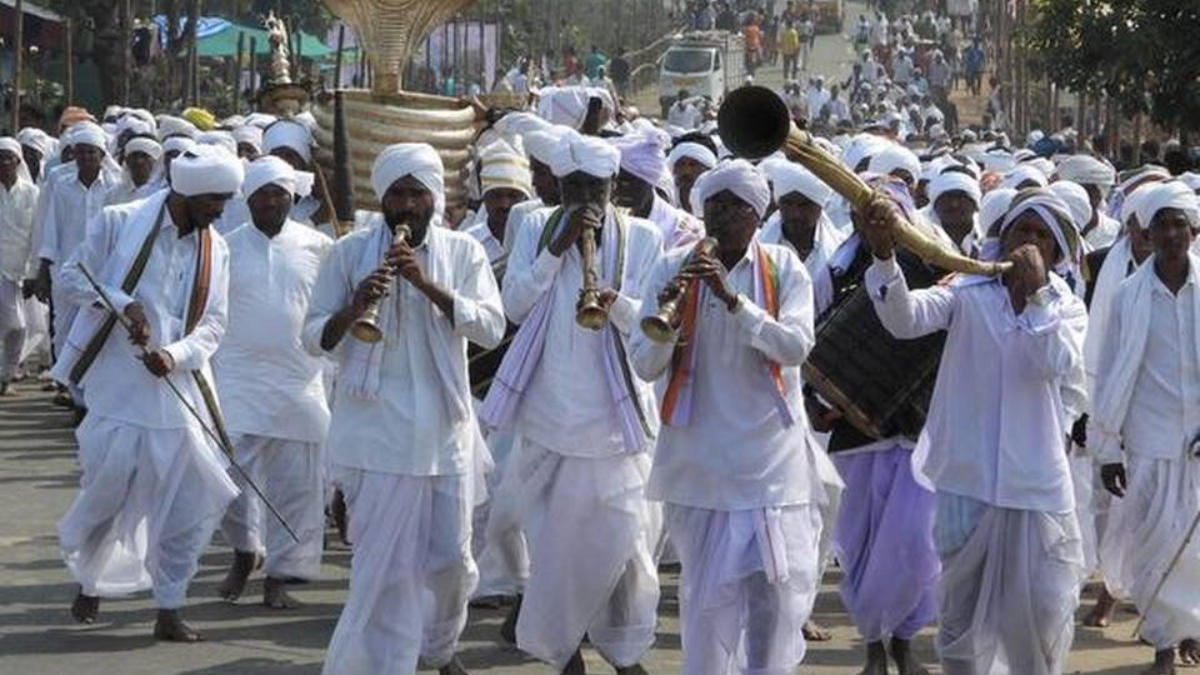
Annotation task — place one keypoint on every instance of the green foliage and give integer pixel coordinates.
(1144, 53)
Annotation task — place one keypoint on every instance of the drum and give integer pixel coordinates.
(882, 385)
(482, 364)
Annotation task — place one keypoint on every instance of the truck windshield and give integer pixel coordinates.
(688, 61)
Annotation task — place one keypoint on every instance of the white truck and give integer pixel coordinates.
(702, 63)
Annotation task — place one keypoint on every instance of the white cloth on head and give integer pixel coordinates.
(503, 165)
(251, 135)
(1023, 173)
(89, 133)
(169, 126)
(14, 146)
(418, 160)
(1086, 170)
(543, 144)
(862, 147)
(144, 145)
(206, 170)
(260, 120)
(1190, 179)
(692, 150)
(951, 181)
(1168, 195)
(1077, 201)
(643, 155)
(738, 176)
(564, 105)
(178, 144)
(36, 139)
(288, 134)
(1053, 212)
(220, 139)
(271, 170)
(787, 177)
(896, 157)
(588, 154)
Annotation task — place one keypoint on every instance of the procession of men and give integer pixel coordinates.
(959, 373)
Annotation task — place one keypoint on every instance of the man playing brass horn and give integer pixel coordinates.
(736, 463)
(584, 421)
(1009, 541)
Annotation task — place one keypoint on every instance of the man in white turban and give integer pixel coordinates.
(1005, 527)
(953, 210)
(38, 148)
(76, 193)
(587, 424)
(249, 141)
(800, 222)
(898, 161)
(736, 464)
(1097, 178)
(143, 174)
(271, 388)
(690, 157)
(403, 434)
(154, 485)
(641, 182)
(292, 142)
(1144, 426)
(18, 199)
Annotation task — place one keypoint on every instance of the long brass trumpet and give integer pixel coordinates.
(754, 122)
(366, 328)
(660, 326)
(589, 313)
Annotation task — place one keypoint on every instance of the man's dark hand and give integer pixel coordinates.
(139, 325)
(579, 220)
(878, 220)
(41, 283)
(1113, 476)
(402, 258)
(712, 272)
(1079, 431)
(371, 290)
(159, 362)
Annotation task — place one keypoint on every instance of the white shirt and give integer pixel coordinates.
(736, 453)
(567, 406)
(685, 116)
(1164, 411)
(16, 229)
(677, 227)
(70, 206)
(117, 385)
(125, 191)
(1103, 234)
(995, 427)
(816, 99)
(407, 429)
(269, 384)
(480, 232)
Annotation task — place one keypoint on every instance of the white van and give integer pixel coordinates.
(707, 63)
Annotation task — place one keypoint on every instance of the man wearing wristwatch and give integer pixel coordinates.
(1010, 376)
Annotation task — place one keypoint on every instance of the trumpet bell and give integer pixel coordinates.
(657, 329)
(589, 313)
(754, 122)
(366, 331)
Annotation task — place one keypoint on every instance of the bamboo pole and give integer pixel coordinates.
(237, 75)
(18, 64)
(70, 93)
(337, 68)
(253, 69)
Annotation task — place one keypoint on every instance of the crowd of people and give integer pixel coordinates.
(595, 366)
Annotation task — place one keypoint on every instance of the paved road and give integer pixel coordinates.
(38, 478)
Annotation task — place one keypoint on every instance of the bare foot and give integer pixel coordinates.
(906, 662)
(275, 595)
(170, 627)
(815, 632)
(1189, 652)
(1164, 663)
(575, 665)
(337, 509)
(244, 562)
(1101, 614)
(85, 608)
(876, 660)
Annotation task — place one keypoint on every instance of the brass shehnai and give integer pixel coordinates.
(366, 328)
(660, 326)
(589, 312)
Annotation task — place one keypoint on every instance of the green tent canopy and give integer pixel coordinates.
(224, 43)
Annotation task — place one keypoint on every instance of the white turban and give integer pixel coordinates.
(893, 158)
(1190, 179)
(954, 181)
(175, 126)
(1041, 164)
(1172, 194)
(1076, 199)
(564, 105)
(221, 139)
(89, 133)
(249, 134)
(135, 125)
(1052, 211)
(503, 165)
(14, 146)
(418, 160)
(288, 134)
(692, 150)
(271, 170)
(1023, 173)
(178, 144)
(739, 177)
(520, 123)
(1086, 170)
(1130, 204)
(36, 139)
(993, 207)
(206, 170)
(997, 160)
(863, 146)
(145, 145)
(644, 155)
(788, 177)
(260, 120)
(591, 155)
(543, 144)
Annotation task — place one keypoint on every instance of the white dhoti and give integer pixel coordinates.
(590, 532)
(500, 542)
(63, 316)
(290, 475)
(412, 572)
(1146, 528)
(37, 331)
(12, 328)
(748, 584)
(1009, 587)
(148, 503)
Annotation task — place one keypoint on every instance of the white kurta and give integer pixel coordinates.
(401, 458)
(272, 391)
(144, 459)
(677, 227)
(574, 462)
(17, 205)
(742, 489)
